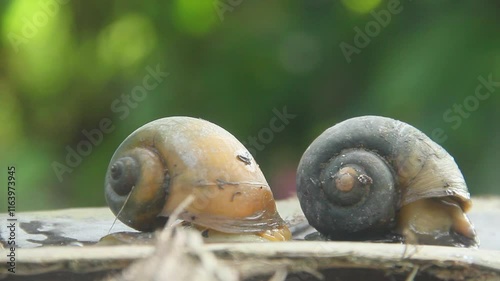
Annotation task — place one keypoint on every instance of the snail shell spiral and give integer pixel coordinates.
(165, 161)
(370, 175)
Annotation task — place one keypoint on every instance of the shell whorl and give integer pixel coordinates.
(194, 157)
(420, 169)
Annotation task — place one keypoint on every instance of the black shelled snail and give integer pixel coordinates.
(163, 162)
(373, 177)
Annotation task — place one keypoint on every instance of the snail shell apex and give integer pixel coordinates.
(175, 157)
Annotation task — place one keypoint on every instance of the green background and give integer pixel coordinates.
(63, 64)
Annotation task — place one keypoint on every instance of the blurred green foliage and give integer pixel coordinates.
(63, 63)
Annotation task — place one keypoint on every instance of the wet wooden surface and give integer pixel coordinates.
(61, 243)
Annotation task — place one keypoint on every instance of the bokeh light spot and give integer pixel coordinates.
(37, 36)
(127, 41)
(195, 17)
(361, 6)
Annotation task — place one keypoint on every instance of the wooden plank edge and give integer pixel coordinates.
(252, 259)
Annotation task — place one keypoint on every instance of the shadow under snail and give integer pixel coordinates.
(376, 178)
(163, 162)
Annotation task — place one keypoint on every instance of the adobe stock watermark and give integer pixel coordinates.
(31, 25)
(120, 106)
(223, 6)
(266, 135)
(458, 112)
(372, 29)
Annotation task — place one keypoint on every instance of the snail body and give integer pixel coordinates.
(163, 162)
(374, 176)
